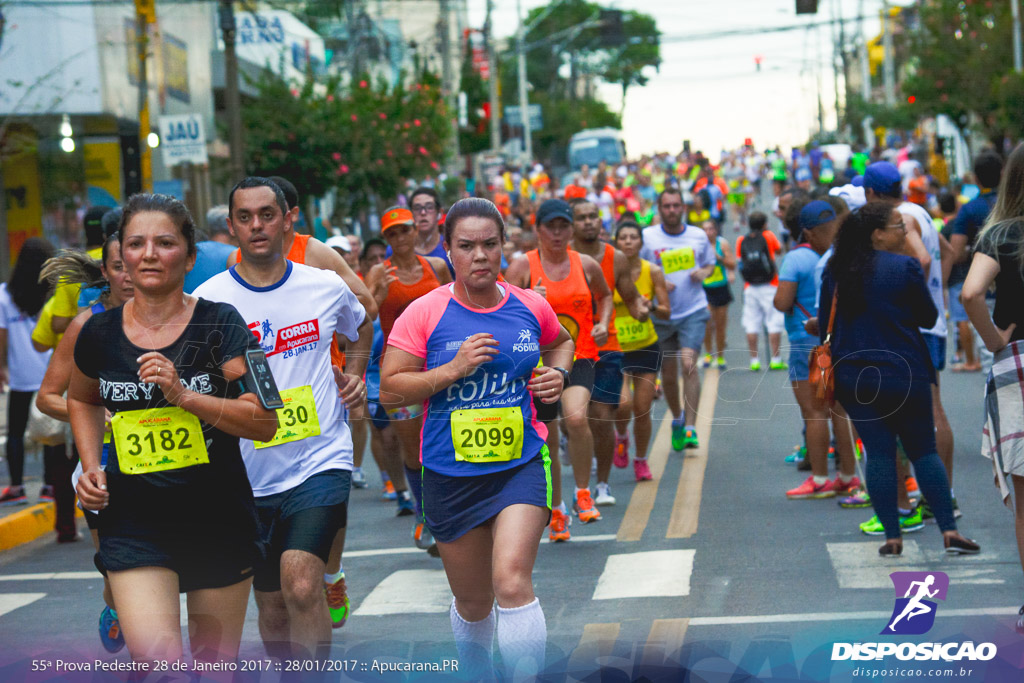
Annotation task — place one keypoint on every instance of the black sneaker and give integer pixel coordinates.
(13, 495)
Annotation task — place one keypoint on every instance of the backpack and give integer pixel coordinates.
(756, 264)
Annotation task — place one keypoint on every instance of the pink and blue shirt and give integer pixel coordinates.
(434, 327)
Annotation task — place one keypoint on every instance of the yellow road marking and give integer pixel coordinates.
(686, 509)
(664, 640)
(597, 641)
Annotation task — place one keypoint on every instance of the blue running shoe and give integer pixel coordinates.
(110, 630)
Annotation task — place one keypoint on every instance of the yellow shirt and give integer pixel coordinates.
(65, 295)
(44, 334)
(632, 333)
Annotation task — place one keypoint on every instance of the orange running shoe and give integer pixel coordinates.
(584, 507)
(912, 489)
(559, 527)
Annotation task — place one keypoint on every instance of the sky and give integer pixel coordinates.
(708, 90)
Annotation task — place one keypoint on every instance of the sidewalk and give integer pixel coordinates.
(21, 524)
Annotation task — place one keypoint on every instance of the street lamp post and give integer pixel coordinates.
(524, 102)
(1018, 60)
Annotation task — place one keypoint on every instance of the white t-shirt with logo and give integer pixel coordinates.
(25, 365)
(294, 321)
(678, 255)
(933, 278)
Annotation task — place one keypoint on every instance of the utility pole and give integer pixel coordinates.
(1018, 61)
(836, 49)
(232, 96)
(888, 68)
(865, 64)
(145, 14)
(448, 79)
(492, 82)
(524, 101)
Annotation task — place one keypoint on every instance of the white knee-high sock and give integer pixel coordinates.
(522, 638)
(474, 641)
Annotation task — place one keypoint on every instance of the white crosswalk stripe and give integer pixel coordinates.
(857, 564)
(12, 601)
(409, 591)
(657, 573)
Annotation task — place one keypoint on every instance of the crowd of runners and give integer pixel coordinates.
(479, 349)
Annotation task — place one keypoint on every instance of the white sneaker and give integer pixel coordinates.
(358, 478)
(604, 495)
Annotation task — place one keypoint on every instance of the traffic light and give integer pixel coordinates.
(806, 6)
(612, 34)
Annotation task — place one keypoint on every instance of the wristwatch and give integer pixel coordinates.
(565, 376)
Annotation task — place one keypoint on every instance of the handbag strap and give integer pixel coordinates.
(832, 315)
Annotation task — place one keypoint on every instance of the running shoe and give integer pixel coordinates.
(405, 507)
(956, 546)
(926, 510)
(584, 507)
(956, 510)
(642, 470)
(13, 495)
(848, 489)
(563, 449)
(913, 491)
(358, 478)
(755, 365)
(778, 365)
(690, 439)
(798, 455)
(859, 449)
(424, 540)
(721, 364)
(860, 499)
(110, 630)
(678, 432)
(908, 524)
(621, 459)
(389, 491)
(706, 363)
(658, 391)
(337, 601)
(46, 493)
(809, 489)
(604, 495)
(559, 527)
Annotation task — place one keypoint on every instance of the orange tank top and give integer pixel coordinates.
(400, 295)
(571, 299)
(608, 268)
(297, 254)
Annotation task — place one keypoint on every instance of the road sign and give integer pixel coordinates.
(182, 139)
(514, 118)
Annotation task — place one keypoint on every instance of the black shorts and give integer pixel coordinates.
(306, 517)
(199, 561)
(645, 360)
(581, 375)
(608, 378)
(719, 296)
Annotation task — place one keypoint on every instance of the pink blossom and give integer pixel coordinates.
(382, 116)
(434, 165)
(336, 156)
(423, 150)
(416, 122)
(362, 84)
(295, 92)
(354, 118)
(330, 98)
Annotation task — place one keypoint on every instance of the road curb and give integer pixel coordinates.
(27, 525)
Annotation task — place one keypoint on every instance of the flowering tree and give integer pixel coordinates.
(365, 139)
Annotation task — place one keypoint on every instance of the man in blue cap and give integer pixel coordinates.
(882, 182)
(796, 297)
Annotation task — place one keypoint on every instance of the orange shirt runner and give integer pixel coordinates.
(400, 295)
(572, 300)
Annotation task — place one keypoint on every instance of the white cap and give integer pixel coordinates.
(851, 194)
(339, 241)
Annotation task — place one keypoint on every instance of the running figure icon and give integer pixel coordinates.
(915, 607)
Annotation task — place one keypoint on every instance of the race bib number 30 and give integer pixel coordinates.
(158, 439)
(675, 260)
(296, 419)
(488, 434)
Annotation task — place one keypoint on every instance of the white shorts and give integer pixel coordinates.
(759, 310)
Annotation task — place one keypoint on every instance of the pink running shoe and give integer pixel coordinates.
(642, 470)
(621, 459)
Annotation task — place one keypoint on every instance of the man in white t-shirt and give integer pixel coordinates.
(301, 478)
(687, 257)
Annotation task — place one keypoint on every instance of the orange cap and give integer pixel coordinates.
(396, 215)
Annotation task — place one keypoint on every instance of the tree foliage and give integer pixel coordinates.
(962, 56)
(366, 139)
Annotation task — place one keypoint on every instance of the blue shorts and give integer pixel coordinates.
(453, 506)
(306, 517)
(957, 313)
(799, 358)
(378, 415)
(683, 333)
(607, 378)
(936, 349)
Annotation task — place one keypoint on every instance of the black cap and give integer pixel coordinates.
(554, 208)
(93, 224)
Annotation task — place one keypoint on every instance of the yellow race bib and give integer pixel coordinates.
(157, 439)
(488, 434)
(296, 419)
(631, 330)
(675, 260)
(717, 276)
